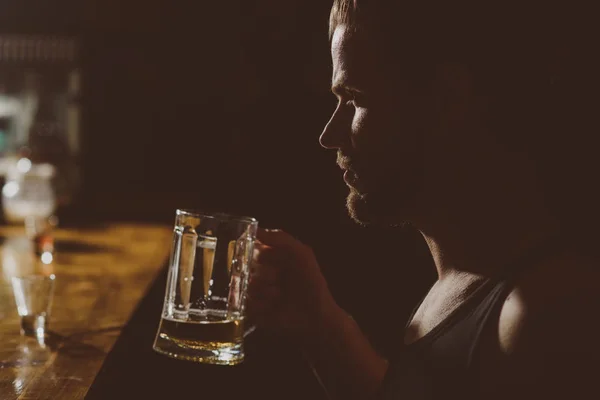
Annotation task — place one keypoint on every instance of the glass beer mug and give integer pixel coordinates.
(203, 312)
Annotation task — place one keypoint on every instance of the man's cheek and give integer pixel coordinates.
(359, 127)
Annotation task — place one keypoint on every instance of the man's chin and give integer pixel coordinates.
(362, 210)
(357, 208)
(368, 209)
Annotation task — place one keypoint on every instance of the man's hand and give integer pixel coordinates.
(287, 292)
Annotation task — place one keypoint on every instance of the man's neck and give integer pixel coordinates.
(491, 227)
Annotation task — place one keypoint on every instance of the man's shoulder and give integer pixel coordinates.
(560, 300)
(548, 331)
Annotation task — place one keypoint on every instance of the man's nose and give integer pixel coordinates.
(335, 134)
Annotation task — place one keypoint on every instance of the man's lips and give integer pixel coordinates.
(350, 172)
(344, 165)
(349, 176)
(348, 167)
(351, 179)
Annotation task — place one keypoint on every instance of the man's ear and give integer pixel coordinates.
(454, 93)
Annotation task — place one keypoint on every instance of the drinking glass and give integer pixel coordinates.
(203, 312)
(33, 296)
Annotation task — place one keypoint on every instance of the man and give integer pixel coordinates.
(445, 121)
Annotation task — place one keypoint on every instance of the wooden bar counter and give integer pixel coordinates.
(101, 275)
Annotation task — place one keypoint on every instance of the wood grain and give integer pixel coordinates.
(101, 275)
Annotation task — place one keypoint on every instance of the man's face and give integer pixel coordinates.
(377, 132)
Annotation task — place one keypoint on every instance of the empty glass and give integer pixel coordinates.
(203, 312)
(33, 296)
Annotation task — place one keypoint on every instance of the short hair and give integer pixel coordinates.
(489, 38)
(536, 62)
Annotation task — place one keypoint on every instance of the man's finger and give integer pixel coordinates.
(265, 273)
(270, 255)
(263, 291)
(280, 239)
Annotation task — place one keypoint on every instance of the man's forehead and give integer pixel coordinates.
(354, 61)
(338, 40)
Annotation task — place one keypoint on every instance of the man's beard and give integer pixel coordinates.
(358, 208)
(365, 210)
(383, 207)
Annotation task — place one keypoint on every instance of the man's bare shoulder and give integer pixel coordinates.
(558, 298)
(548, 330)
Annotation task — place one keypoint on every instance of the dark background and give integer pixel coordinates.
(219, 105)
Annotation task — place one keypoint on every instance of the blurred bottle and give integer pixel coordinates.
(47, 143)
(28, 197)
(40, 89)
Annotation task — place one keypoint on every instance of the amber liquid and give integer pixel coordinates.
(208, 333)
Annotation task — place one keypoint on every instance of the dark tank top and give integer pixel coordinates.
(442, 364)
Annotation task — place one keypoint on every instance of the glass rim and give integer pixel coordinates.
(215, 215)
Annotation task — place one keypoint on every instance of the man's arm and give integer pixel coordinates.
(343, 359)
